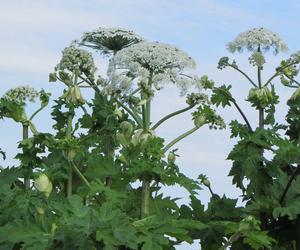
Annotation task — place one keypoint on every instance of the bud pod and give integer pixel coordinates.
(126, 128)
(206, 182)
(199, 121)
(171, 157)
(121, 139)
(43, 184)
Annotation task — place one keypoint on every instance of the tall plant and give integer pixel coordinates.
(264, 160)
(82, 178)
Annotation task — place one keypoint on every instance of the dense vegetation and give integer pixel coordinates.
(97, 181)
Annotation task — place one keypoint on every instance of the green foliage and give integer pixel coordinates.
(105, 170)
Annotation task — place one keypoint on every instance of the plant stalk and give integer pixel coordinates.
(69, 136)
(146, 194)
(25, 127)
(179, 138)
(171, 115)
(263, 217)
(145, 198)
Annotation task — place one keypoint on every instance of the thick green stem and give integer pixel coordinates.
(179, 138)
(109, 153)
(263, 217)
(145, 209)
(144, 118)
(146, 194)
(69, 136)
(25, 127)
(261, 110)
(148, 113)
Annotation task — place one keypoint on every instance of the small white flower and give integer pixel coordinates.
(256, 38)
(21, 94)
(77, 61)
(161, 62)
(108, 40)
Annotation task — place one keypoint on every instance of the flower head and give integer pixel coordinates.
(77, 61)
(258, 38)
(161, 62)
(109, 40)
(21, 94)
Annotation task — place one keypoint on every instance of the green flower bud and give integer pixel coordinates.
(43, 184)
(126, 128)
(78, 95)
(206, 182)
(122, 139)
(260, 96)
(141, 137)
(136, 137)
(73, 95)
(171, 157)
(144, 138)
(199, 121)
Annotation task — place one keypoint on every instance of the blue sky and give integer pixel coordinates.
(33, 33)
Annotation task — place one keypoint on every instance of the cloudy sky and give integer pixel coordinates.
(33, 33)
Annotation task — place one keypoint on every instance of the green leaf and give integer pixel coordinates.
(222, 96)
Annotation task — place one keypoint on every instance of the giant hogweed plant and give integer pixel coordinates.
(75, 187)
(265, 160)
(96, 181)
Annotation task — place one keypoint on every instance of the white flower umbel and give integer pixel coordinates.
(163, 63)
(77, 61)
(109, 40)
(256, 38)
(21, 94)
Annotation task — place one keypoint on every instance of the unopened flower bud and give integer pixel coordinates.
(43, 184)
(199, 121)
(206, 182)
(171, 157)
(122, 139)
(126, 128)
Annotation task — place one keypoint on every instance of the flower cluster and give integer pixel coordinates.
(257, 59)
(109, 40)
(77, 61)
(258, 38)
(159, 62)
(21, 94)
